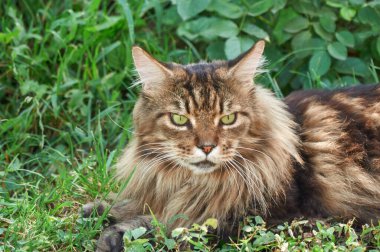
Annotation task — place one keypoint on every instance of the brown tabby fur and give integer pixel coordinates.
(315, 154)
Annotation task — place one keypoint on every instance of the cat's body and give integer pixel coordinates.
(340, 136)
(210, 143)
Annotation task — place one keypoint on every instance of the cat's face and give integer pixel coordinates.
(195, 116)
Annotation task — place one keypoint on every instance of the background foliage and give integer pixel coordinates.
(65, 96)
(312, 43)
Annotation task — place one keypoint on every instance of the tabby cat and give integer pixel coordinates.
(209, 142)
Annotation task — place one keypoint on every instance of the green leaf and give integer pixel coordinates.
(327, 23)
(190, 8)
(259, 7)
(178, 231)
(321, 32)
(335, 3)
(215, 50)
(127, 236)
(170, 243)
(208, 28)
(31, 86)
(135, 246)
(171, 17)
(211, 222)
(297, 24)
(357, 2)
(138, 232)
(368, 15)
(362, 36)
(256, 31)
(234, 46)
(327, 12)
(306, 7)
(359, 249)
(319, 63)
(346, 38)
(298, 43)
(284, 17)
(259, 220)
(191, 30)
(278, 5)
(337, 50)
(347, 13)
(221, 27)
(226, 9)
(353, 66)
(247, 229)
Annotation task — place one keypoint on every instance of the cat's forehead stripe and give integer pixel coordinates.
(202, 86)
(190, 90)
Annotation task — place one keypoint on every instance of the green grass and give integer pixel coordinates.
(65, 114)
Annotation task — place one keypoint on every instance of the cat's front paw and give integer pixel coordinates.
(111, 240)
(95, 208)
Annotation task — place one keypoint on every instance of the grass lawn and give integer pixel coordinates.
(65, 115)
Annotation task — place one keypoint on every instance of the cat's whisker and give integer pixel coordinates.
(247, 184)
(142, 148)
(252, 149)
(237, 168)
(265, 186)
(233, 175)
(248, 181)
(255, 165)
(160, 149)
(254, 183)
(155, 163)
(149, 144)
(264, 172)
(147, 155)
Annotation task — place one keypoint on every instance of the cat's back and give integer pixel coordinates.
(340, 135)
(358, 104)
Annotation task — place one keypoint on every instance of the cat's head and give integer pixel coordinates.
(196, 116)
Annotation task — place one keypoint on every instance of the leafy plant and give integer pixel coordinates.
(300, 235)
(328, 43)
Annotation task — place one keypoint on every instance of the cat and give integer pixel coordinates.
(209, 142)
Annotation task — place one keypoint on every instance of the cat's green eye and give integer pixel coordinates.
(179, 120)
(228, 119)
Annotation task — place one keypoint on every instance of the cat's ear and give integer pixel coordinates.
(245, 66)
(151, 72)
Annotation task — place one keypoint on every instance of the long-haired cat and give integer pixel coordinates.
(209, 142)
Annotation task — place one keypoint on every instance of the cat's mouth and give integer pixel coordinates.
(205, 164)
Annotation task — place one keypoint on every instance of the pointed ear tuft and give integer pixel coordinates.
(245, 66)
(151, 72)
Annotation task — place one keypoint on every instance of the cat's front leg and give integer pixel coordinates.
(111, 239)
(120, 211)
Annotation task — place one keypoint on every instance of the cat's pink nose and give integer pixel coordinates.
(207, 148)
